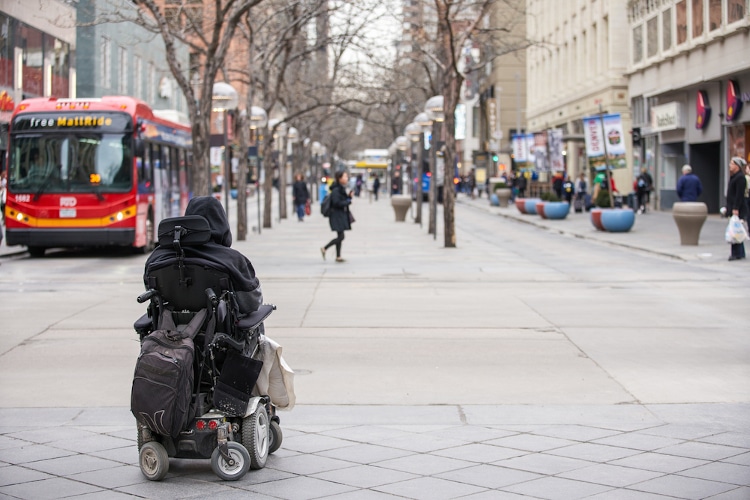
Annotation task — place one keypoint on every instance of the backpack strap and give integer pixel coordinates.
(192, 328)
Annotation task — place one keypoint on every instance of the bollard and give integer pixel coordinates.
(689, 217)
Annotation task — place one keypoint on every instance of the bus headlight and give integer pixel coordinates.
(19, 216)
(120, 216)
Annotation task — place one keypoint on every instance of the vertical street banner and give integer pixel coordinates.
(541, 161)
(520, 148)
(596, 133)
(555, 147)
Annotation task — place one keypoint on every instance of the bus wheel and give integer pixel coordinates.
(36, 252)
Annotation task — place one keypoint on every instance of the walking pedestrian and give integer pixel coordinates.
(376, 187)
(340, 218)
(568, 190)
(736, 200)
(644, 184)
(689, 187)
(300, 195)
(581, 190)
(521, 185)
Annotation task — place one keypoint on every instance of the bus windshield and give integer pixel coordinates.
(66, 163)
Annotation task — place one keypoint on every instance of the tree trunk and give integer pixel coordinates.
(201, 158)
(450, 99)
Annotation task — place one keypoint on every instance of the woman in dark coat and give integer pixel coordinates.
(340, 218)
(736, 200)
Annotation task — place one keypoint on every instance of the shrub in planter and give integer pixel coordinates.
(602, 199)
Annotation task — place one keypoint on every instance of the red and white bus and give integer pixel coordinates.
(93, 172)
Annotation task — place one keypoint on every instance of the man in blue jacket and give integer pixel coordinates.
(689, 187)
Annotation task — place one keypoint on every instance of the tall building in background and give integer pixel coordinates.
(499, 110)
(689, 73)
(37, 55)
(125, 59)
(576, 68)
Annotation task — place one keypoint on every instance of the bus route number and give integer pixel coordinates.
(23, 198)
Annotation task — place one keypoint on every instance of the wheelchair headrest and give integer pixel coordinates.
(193, 230)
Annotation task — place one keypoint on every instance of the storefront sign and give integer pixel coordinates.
(702, 109)
(734, 100)
(666, 117)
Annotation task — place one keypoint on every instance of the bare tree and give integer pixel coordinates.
(208, 29)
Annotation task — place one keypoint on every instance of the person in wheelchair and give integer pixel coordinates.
(217, 254)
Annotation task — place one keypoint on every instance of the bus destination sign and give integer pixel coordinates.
(101, 122)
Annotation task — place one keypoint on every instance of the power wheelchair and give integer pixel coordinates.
(228, 423)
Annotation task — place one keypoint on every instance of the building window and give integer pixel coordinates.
(697, 18)
(31, 42)
(6, 52)
(475, 121)
(681, 21)
(106, 62)
(637, 44)
(652, 36)
(714, 14)
(122, 77)
(735, 10)
(666, 29)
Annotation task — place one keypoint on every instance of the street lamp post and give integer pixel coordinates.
(224, 98)
(316, 148)
(434, 109)
(415, 131)
(258, 120)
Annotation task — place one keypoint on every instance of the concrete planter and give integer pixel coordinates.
(618, 220)
(556, 209)
(521, 205)
(689, 217)
(596, 219)
(539, 207)
(401, 205)
(530, 205)
(503, 196)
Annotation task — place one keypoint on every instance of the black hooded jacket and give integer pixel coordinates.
(216, 254)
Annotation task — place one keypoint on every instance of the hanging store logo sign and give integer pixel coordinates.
(734, 100)
(667, 117)
(702, 110)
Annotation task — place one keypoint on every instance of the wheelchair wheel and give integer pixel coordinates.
(235, 471)
(255, 437)
(275, 437)
(154, 461)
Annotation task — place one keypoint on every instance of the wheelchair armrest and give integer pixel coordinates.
(254, 319)
(143, 325)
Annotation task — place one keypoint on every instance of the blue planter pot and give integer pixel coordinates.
(556, 209)
(530, 205)
(618, 220)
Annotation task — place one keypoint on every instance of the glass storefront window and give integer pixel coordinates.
(6, 52)
(31, 41)
(60, 69)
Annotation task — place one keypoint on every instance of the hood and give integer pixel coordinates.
(210, 208)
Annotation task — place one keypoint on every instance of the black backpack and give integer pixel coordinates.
(163, 380)
(325, 206)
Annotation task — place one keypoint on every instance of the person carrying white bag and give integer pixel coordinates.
(736, 232)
